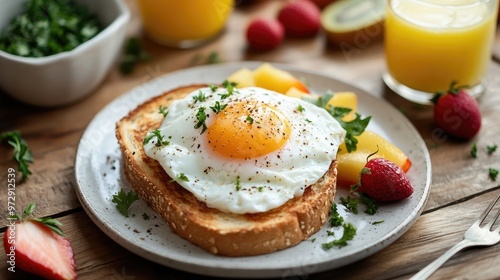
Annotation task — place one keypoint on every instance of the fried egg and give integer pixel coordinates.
(244, 150)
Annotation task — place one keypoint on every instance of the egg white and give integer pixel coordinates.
(246, 185)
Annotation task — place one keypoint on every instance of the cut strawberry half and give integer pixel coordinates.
(38, 248)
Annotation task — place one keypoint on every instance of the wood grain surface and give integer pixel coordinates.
(460, 189)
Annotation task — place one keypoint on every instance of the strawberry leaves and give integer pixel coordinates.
(53, 224)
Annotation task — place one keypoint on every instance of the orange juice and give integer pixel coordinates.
(184, 23)
(430, 43)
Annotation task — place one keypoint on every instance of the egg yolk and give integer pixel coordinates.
(247, 130)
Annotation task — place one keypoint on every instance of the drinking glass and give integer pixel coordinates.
(431, 43)
(184, 23)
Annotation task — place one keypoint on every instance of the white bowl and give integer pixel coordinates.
(65, 77)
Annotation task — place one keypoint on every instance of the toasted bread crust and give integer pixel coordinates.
(215, 231)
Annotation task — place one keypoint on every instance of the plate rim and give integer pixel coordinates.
(389, 238)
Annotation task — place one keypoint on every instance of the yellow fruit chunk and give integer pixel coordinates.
(243, 78)
(297, 93)
(346, 100)
(350, 164)
(271, 78)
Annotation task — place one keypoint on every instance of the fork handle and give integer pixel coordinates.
(433, 266)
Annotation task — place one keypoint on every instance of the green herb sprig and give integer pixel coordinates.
(124, 200)
(22, 153)
(201, 116)
(349, 233)
(133, 54)
(353, 128)
(159, 142)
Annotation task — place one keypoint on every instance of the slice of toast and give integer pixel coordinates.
(215, 231)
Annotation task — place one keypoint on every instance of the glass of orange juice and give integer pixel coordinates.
(184, 23)
(431, 43)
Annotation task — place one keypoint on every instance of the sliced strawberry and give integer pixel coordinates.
(384, 181)
(40, 250)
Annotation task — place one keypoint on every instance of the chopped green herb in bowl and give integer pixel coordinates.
(53, 53)
(48, 27)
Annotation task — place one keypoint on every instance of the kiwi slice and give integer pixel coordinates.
(353, 21)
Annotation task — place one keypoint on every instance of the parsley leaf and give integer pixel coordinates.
(231, 89)
(351, 203)
(349, 233)
(371, 206)
(473, 150)
(156, 133)
(491, 149)
(300, 108)
(163, 110)
(238, 183)
(335, 218)
(200, 97)
(22, 153)
(217, 108)
(213, 87)
(181, 177)
(493, 173)
(124, 200)
(249, 120)
(201, 116)
(353, 128)
(133, 55)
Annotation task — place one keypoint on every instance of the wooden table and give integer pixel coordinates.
(460, 190)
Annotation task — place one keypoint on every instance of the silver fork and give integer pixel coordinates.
(474, 236)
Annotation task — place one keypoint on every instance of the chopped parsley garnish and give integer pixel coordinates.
(201, 116)
(213, 58)
(48, 27)
(213, 87)
(181, 177)
(134, 54)
(124, 201)
(238, 183)
(349, 233)
(353, 128)
(473, 150)
(331, 232)
(308, 120)
(300, 108)
(200, 97)
(351, 203)
(335, 218)
(371, 206)
(249, 120)
(491, 149)
(163, 110)
(377, 222)
(22, 153)
(145, 216)
(230, 86)
(159, 142)
(493, 173)
(261, 188)
(217, 108)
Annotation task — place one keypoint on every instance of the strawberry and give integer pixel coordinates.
(300, 18)
(264, 34)
(38, 246)
(384, 181)
(457, 113)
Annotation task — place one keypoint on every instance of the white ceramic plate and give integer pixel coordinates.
(99, 176)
